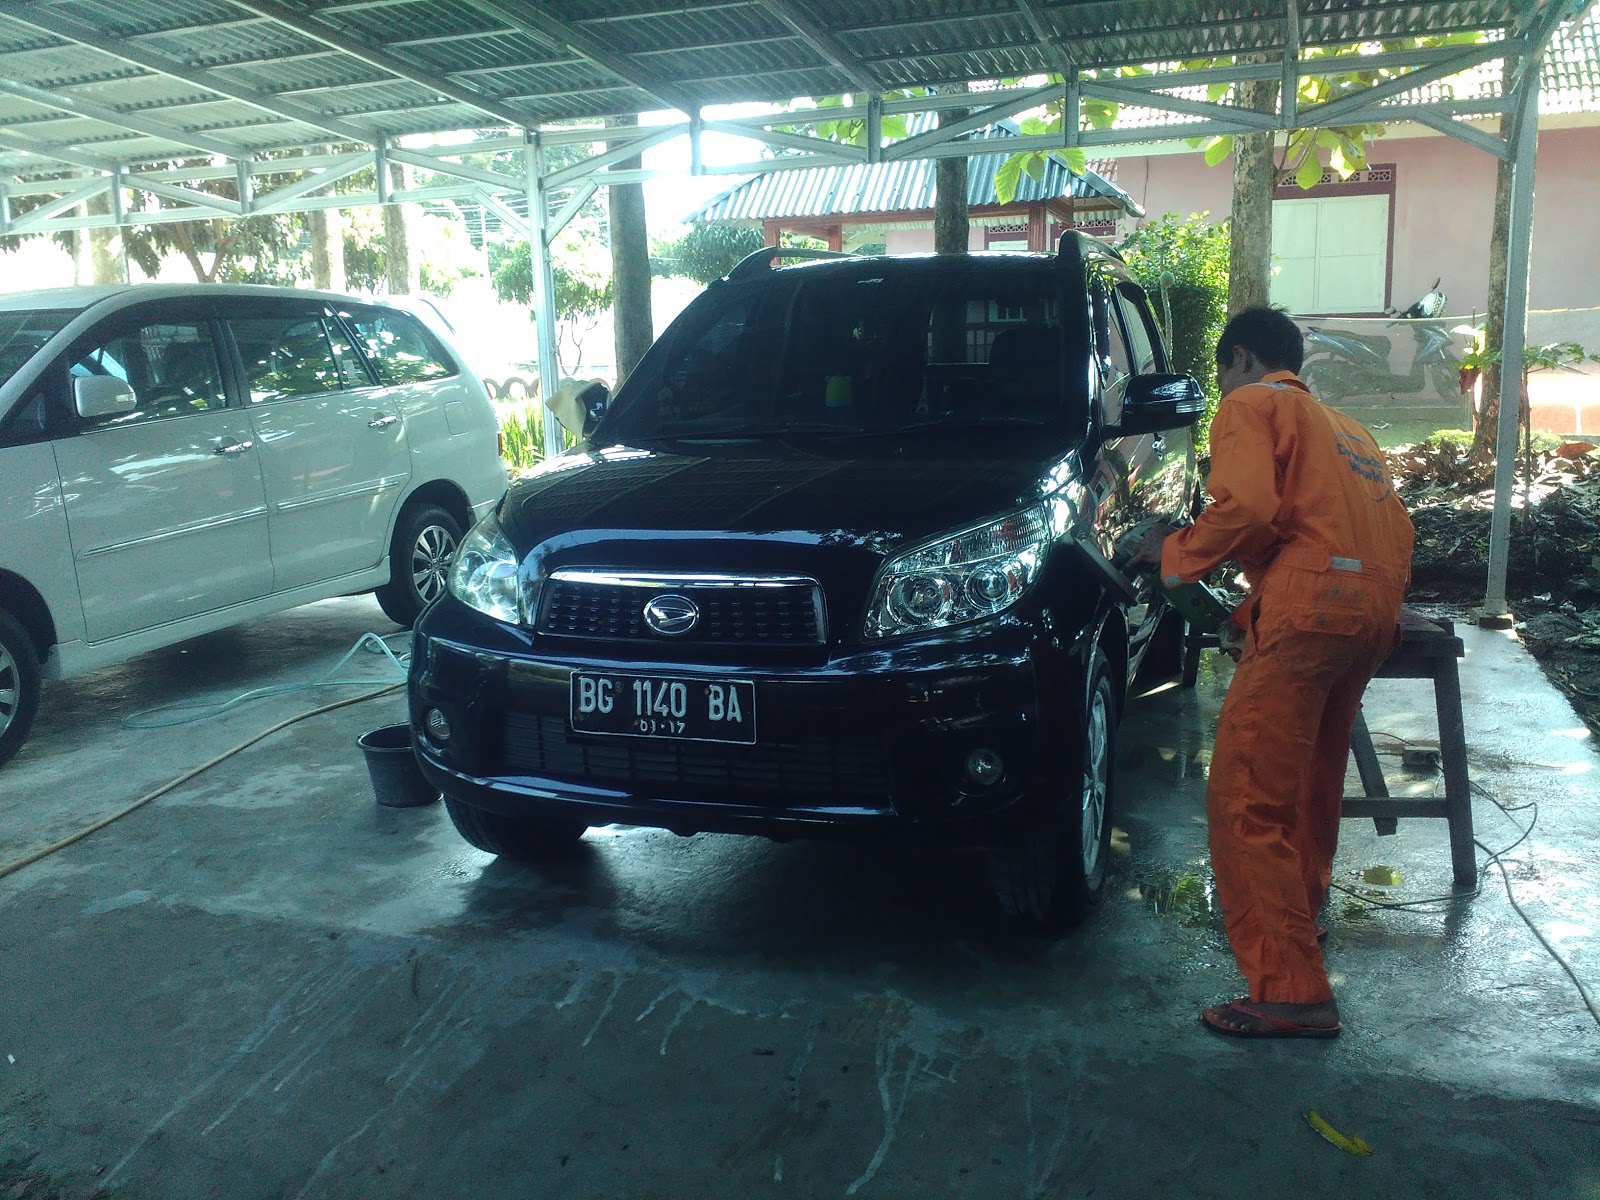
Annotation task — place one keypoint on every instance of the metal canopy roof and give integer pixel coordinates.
(88, 83)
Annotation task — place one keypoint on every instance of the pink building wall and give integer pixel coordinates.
(1444, 202)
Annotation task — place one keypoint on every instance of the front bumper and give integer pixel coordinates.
(871, 742)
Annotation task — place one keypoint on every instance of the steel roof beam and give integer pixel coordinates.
(563, 36)
(456, 170)
(839, 152)
(64, 155)
(826, 43)
(1105, 90)
(36, 218)
(912, 147)
(182, 195)
(133, 121)
(438, 39)
(375, 57)
(1471, 135)
(630, 148)
(161, 64)
(1336, 112)
(1054, 52)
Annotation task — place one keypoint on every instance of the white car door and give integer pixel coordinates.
(164, 502)
(333, 445)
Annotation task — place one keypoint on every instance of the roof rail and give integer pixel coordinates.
(1074, 242)
(767, 255)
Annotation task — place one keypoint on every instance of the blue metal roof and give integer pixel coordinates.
(901, 186)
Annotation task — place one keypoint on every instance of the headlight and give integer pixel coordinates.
(975, 574)
(484, 573)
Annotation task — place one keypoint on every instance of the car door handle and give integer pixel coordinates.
(382, 422)
(234, 448)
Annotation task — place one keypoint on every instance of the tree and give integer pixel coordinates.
(951, 229)
(633, 327)
(708, 251)
(582, 280)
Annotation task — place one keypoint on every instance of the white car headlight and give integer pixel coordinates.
(484, 573)
(973, 574)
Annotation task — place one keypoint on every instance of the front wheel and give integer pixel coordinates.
(523, 839)
(424, 545)
(1050, 877)
(19, 685)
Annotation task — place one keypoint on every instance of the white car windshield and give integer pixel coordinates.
(23, 331)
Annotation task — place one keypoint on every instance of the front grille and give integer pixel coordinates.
(811, 771)
(783, 613)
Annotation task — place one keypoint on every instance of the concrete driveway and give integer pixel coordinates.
(264, 985)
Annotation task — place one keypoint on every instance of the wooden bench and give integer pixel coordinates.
(1428, 649)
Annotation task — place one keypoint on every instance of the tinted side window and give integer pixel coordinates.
(172, 368)
(285, 356)
(399, 347)
(1140, 344)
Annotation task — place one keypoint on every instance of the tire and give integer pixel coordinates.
(1051, 878)
(522, 839)
(425, 541)
(19, 685)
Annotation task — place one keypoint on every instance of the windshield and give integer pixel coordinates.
(24, 331)
(876, 351)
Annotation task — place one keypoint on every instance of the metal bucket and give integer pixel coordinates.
(397, 780)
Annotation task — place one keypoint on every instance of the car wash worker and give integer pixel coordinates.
(1302, 501)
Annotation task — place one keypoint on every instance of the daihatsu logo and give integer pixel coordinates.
(671, 616)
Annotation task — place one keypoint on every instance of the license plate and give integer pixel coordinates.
(664, 706)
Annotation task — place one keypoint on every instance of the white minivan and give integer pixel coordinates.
(177, 458)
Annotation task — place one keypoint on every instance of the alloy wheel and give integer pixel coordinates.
(431, 556)
(10, 689)
(1096, 778)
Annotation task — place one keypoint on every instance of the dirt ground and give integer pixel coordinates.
(1553, 582)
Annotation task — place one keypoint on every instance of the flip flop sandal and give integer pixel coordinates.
(1277, 1027)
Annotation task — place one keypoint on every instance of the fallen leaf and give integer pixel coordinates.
(1381, 876)
(1350, 1145)
(1575, 449)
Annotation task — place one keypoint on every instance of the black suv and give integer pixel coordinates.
(835, 561)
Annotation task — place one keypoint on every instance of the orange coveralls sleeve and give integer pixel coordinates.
(1302, 500)
(1237, 524)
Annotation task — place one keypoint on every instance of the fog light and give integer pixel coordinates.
(985, 766)
(437, 726)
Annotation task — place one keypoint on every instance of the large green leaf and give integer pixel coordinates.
(1309, 172)
(1033, 164)
(1218, 149)
(1102, 114)
(1073, 158)
(1007, 178)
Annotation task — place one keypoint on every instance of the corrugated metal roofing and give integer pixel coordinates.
(313, 72)
(898, 186)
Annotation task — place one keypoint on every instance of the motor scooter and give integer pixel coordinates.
(1342, 364)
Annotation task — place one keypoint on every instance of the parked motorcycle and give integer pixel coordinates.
(1342, 364)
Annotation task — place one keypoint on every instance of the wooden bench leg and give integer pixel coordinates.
(1370, 770)
(1453, 759)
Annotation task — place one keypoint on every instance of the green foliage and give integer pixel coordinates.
(852, 131)
(522, 434)
(707, 251)
(1193, 254)
(582, 282)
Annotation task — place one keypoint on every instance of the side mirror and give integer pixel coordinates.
(1153, 403)
(578, 404)
(102, 396)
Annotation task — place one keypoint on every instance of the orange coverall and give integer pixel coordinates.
(1302, 501)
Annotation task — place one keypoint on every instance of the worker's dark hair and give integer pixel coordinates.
(1269, 334)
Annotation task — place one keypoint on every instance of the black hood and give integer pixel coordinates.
(830, 508)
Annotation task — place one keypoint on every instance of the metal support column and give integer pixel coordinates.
(544, 285)
(1524, 143)
(5, 206)
(245, 185)
(697, 125)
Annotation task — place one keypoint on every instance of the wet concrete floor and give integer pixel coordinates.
(264, 985)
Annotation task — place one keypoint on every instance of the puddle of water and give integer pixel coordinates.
(1189, 896)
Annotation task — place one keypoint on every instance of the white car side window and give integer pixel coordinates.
(286, 357)
(172, 368)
